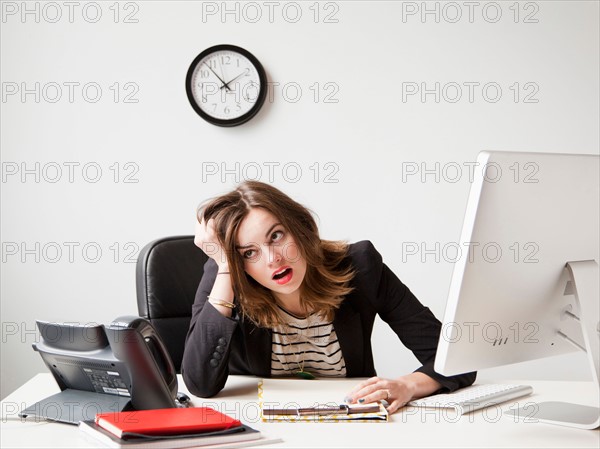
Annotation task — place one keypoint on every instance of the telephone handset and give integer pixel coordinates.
(149, 368)
(124, 365)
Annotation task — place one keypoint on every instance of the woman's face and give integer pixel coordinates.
(270, 254)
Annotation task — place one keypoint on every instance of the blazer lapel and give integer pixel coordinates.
(348, 328)
(258, 349)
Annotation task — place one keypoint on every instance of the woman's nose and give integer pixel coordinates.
(274, 254)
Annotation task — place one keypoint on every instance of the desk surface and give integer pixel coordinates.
(407, 428)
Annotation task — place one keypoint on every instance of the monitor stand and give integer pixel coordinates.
(585, 280)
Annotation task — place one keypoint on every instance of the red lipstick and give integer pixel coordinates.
(283, 275)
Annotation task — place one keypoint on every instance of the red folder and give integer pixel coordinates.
(166, 421)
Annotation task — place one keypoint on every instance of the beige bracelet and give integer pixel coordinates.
(220, 302)
(223, 272)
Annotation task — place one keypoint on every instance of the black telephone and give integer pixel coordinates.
(122, 366)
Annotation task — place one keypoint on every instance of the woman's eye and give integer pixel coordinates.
(249, 254)
(276, 236)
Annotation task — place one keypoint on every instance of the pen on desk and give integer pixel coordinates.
(322, 410)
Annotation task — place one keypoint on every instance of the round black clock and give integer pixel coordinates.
(226, 85)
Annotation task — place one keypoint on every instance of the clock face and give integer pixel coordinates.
(226, 85)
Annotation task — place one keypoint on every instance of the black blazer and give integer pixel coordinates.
(217, 346)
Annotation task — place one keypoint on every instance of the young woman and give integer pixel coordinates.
(275, 300)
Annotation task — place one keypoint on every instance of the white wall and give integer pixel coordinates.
(368, 52)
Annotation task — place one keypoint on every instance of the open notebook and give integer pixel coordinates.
(319, 400)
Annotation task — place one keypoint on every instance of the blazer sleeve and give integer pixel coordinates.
(204, 367)
(416, 326)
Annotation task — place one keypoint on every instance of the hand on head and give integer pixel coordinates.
(206, 239)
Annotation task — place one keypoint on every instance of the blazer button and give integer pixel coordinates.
(217, 355)
(214, 363)
(220, 349)
(222, 341)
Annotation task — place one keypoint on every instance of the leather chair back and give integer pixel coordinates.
(168, 272)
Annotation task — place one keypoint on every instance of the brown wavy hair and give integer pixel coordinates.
(327, 277)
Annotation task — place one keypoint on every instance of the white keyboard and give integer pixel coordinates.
(474, 397)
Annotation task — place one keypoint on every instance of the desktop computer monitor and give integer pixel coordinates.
(525, 284)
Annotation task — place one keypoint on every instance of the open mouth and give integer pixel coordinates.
(281, 274)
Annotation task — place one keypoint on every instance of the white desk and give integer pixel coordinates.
(407, 428)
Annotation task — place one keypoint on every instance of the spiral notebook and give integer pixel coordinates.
(318, 400)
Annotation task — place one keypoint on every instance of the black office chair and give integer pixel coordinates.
(168, 272)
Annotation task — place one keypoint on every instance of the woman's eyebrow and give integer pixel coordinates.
(271, 229)
(266, 235)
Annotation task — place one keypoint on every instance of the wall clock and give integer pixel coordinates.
(226, 85)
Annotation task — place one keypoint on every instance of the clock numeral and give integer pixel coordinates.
(226, 110)
(249, 88)
(225, 60)
(203, 96)
(204, 73)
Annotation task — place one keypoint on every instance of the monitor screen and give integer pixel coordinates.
(528, 214)
(526, 283)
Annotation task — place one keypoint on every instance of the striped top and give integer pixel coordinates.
(306, 344)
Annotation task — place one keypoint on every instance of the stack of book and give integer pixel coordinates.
(172, 428)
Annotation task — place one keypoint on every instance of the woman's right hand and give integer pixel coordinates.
(206, 239)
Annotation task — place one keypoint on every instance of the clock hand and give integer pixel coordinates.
(223, 75)
(224, 83)
(231, 81)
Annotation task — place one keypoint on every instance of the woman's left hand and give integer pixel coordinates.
(395, 392)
